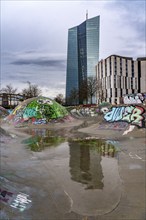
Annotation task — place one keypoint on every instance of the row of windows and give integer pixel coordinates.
(120, 82)
(121, 66)
(117, 92)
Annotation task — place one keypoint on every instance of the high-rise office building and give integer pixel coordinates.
(82, 56)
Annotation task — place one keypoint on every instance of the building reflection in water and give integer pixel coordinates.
(85, 161)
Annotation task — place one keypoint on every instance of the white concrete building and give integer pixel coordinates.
(120, 76)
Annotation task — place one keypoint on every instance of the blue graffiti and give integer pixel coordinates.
(130, 114)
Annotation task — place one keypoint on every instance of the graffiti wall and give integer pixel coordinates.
(84, 112)
(134, 98)
(131, 114)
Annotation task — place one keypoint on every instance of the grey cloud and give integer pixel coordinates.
(133, 13)
(45, 77)
(30, 51)
(129, 53)
(131, 5)
(55, 64)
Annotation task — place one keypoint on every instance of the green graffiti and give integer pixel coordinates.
(41, 108)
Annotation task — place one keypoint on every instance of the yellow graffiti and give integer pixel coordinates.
(16, 109)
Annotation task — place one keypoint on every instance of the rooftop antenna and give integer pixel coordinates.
(86, 14)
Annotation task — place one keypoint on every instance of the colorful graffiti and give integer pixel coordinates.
(133, 98)
(40, 110)
(84, 112)
(131, 114)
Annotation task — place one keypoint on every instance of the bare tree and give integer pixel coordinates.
(32, 90)
(95, 88)
(83, 91)
(92, 87)
(9, 90)
(73, 99)
(60, 99)
(100, 92)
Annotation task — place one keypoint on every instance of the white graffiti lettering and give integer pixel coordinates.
(21, 202)
(133, 98)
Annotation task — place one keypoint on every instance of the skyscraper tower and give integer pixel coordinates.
(82, 55)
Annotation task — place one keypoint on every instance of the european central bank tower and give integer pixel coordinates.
(82, 56)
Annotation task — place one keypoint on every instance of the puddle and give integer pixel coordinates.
(86, 172)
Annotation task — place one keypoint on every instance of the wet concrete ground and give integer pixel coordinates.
(73, 180)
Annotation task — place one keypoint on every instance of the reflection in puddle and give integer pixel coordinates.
(85, 161)
(85, 171)
(90, 179)
(39, 143)
(85, 166)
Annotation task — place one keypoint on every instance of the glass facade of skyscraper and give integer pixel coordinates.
(72, 62)
(83, 54)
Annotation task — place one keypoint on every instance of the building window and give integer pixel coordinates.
(118, 81)
(109, 81)
(106, 67)
(114, 81)
(132, 68)
(135, 83)
(115, 92)
(115, 65)
(101, 69)
(126, 68)
(110, 67)
(131, 83)
(125, 82)
(111, 92)
(120, 66)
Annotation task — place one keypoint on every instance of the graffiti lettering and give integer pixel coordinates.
(21, 202)
(133, 98)
(84, 112)
(130, 114)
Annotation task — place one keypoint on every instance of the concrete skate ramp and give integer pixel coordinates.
(3, 112)
(38, 110)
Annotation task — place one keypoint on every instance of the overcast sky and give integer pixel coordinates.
(34, 37)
